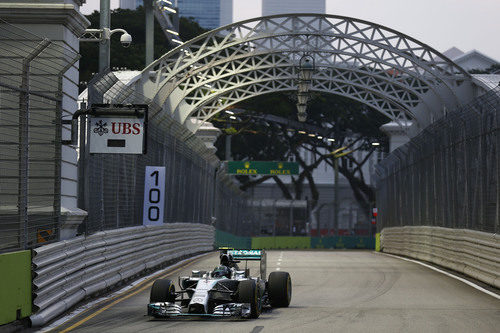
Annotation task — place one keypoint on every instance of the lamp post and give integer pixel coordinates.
(336, 154)
(103, 36)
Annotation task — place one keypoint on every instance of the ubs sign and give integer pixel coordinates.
(119, 135)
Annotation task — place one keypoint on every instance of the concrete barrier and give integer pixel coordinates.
(223, 238)
(15, 286)
(281, 242)
(473, 253)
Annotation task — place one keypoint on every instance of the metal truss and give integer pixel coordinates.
(380, 67)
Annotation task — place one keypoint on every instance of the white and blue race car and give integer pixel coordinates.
(227, 291)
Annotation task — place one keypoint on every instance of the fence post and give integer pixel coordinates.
(58, 143)
(24, 96)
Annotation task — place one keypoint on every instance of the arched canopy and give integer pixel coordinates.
(380, 67)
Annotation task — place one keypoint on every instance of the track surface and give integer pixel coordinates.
(333, 291)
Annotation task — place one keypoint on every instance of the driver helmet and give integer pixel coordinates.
(221, 271)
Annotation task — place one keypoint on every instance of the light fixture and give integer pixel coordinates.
(312, 135)
(302, 97)
(170, 9)
(177, 41)
(306, 65)
(301, 108)
(306, 68)
(172, 32)
(320, 137)
(232, 117)
(303, 87)
(375, 143)
(302, 132)
(331, 140)
(229, 112)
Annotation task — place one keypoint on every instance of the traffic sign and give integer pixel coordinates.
(262, 168)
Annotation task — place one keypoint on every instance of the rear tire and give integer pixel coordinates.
(163, 290)
(248, 293)
(279, 289)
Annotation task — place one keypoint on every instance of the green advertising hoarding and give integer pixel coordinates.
(262, 168)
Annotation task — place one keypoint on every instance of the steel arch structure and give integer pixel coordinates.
(380, 67)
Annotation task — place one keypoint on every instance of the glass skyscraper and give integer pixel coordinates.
(273, 7)
(205, 12)
(131, 4)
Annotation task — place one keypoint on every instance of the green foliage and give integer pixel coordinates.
(340, 118)
(133, 57)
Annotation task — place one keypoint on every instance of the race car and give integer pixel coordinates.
(227, 291)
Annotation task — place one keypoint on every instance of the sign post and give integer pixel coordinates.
(154, 195)
(114, 128)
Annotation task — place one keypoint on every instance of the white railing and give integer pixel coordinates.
(473, 253)
(68, 271)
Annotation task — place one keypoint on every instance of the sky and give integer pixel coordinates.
(441, 24)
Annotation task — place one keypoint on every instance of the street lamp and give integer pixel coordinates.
(302, 97)
(306, 68)
(103, 35)
(336, 154)
(301, 112)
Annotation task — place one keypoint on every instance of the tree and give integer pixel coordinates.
(350, 123)
(133, 57)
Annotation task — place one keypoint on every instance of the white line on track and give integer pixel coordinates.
(473, 285)
(279, 261)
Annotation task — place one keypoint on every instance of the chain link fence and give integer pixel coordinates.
(31, 109)
(197, 189)
(448, 175)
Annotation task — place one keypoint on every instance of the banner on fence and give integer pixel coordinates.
(154, 195)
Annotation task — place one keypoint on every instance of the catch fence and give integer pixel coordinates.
(197, 190)
(31, 108)
(447, 176)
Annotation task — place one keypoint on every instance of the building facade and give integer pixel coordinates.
(274, 7)
(206, 13)
(131, 4)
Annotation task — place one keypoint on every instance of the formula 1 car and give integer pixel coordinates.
(226, 291)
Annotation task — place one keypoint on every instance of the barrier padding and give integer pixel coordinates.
(223, 238)
(15, 282)
(281, 242)
(377, 242)
(343, 242)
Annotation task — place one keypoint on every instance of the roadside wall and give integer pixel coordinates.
(15, 282)
(473, 253)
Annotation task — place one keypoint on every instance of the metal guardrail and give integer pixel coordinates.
(68, 271)
(473, 253)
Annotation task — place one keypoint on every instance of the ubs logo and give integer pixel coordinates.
(125, 128)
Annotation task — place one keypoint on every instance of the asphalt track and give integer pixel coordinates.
(333, 291)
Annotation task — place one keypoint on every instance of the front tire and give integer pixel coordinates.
(248, 293)
(163, 290)
(279, 289)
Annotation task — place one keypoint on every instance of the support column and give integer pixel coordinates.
(397, 133)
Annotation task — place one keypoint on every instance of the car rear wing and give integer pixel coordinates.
(249, 255)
